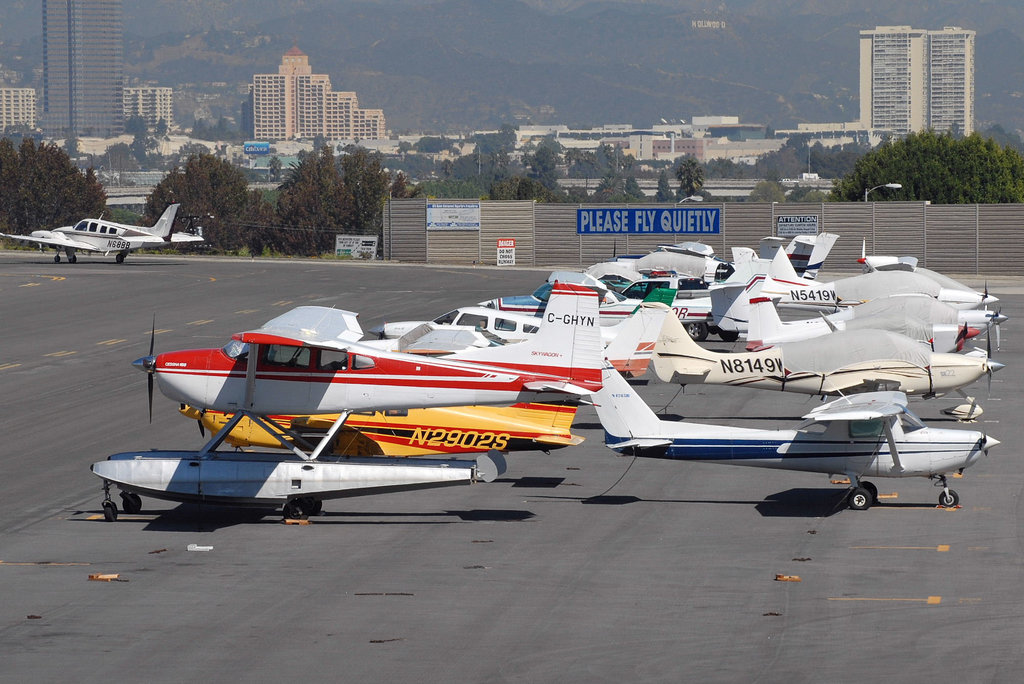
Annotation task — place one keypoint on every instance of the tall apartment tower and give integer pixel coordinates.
(83, 67)
(913, 79)
(296, 103)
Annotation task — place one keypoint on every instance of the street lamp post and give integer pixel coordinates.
(891, 186)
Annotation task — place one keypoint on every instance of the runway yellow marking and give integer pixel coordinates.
(8, 366)
(201, 322)
(283, 302)
(120, 517)
(158, 331)
(931, 600)
(246, 311)
(111, 343)
(894, 495)
(61, 353)
(941, 548)
(29, 285)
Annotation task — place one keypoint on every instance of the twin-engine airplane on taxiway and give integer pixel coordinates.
(100, 235)
(308, 362)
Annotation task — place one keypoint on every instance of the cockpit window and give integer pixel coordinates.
(236, 349)
(473, 321)
(865, 429)
(285, 355)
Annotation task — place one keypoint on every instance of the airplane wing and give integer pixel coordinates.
(861, 407)
(309, 326)
(186, 237)
(52, 239)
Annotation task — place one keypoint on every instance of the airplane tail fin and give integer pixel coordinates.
(812, 255)
(764, 323)
(626, 418)
(631, 350)
(677, 358)
(164, 225)
(568, 344)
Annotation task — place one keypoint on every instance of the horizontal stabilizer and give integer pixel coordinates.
(641, 443)
(555, 386)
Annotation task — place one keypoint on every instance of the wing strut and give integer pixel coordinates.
(893, 451)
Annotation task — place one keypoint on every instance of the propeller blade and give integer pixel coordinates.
(149, 368)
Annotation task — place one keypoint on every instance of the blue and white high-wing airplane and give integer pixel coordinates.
(864, 435)
(100, 235)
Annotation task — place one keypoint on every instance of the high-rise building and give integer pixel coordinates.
(296, 103)
(153, 104)
(83, 67)
(17, 107)
(912, 79)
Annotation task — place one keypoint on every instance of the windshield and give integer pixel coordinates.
(543, 292)
(236, 349)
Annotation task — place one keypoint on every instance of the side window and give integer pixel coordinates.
(474, 320)
(504, 324)
(360, 362)
(92, 227)
(281, 355)
(333, 360)
(527, 328)
(637, 290)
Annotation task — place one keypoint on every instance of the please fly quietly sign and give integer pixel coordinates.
(673, 221)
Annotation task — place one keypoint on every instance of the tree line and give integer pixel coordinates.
(325, 194)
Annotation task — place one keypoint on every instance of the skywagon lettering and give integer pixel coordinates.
(673, 221)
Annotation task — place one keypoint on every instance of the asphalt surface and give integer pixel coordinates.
(578, 566)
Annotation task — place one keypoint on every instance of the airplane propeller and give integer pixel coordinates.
(147, 364)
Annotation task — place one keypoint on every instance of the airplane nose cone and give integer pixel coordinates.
(997, 318)
(146, 364)
(988, 442)
(994, 366)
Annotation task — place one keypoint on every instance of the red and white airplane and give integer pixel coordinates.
(100, 235)
(308, 361)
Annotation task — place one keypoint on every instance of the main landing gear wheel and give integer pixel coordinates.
(859, 499)
(729, 335)
(302, 508)
(872, 490)
(131, 502)
(109, 510)
(698, 331)
(949, 499)
(56, 258)
(120, 257)
(73, 259)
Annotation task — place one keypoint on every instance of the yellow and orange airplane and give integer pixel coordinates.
(415, 432)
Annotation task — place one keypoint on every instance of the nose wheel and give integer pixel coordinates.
(948, 498)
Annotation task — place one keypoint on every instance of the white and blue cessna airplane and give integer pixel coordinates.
(858, 436)
(99, 235)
